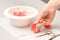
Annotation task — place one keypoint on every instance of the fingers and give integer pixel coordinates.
(41, 24)
(47, 18)
(40, 20)
(50, 17)
(42, 14)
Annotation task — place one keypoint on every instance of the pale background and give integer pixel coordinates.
(4, 35)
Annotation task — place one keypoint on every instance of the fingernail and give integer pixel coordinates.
(35, 22)
(47, 22)
(38, 25)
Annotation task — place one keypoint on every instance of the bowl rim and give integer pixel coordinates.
(22, 17)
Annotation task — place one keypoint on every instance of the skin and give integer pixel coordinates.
(47, 14)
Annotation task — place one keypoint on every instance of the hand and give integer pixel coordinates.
(47, 14)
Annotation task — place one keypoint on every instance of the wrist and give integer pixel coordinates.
(55, 4)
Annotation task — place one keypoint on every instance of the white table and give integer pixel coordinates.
(23, 33)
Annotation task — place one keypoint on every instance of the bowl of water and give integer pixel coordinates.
(21, 15)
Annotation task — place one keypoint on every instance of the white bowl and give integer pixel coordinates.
(23, 20)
